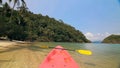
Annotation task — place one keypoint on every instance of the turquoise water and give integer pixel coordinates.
(104, 55)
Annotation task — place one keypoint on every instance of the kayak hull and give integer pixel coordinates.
(59, 58)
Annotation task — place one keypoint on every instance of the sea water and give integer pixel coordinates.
(103, 55)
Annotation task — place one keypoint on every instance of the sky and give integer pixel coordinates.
(96, 19)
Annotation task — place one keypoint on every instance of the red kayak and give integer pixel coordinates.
(59, 58)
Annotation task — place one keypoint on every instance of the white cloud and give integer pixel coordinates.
(89, 35)
(96, 37)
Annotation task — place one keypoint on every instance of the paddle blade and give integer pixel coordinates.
(84, 52)
(44, 46)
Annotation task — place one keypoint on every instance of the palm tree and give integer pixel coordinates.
(0, 1)
(15, 2)
(18, 3)
(23, 4)
(6, 9)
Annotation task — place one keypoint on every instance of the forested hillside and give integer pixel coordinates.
(112, 39)
(22, 24)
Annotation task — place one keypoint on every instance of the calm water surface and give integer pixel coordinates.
(104, 55)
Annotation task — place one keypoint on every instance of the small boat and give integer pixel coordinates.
(59, 58)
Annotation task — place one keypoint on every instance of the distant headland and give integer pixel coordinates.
(115, 39)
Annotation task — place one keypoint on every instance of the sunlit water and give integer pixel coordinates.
(104, 55)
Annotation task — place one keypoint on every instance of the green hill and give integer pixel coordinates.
(112, 39)
(24, 25)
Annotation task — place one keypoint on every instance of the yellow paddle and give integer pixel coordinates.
(84, 52)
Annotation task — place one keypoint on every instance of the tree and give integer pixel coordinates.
(6, 10)
(15, 2)
(0, 1)
(25, 25)
(18, 3)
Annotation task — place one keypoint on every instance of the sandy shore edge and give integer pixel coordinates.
(11, 43)
(7, 43)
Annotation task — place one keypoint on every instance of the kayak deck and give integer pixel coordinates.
(59, 58)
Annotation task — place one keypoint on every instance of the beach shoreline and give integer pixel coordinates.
(14, 42)
(5, 45)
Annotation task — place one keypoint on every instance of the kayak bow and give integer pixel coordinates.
(59, 58)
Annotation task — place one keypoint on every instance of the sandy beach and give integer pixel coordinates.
(7, 43)
(4, 45)
(17, 55)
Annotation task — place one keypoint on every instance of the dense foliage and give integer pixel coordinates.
(112, 39)
(23, 25)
